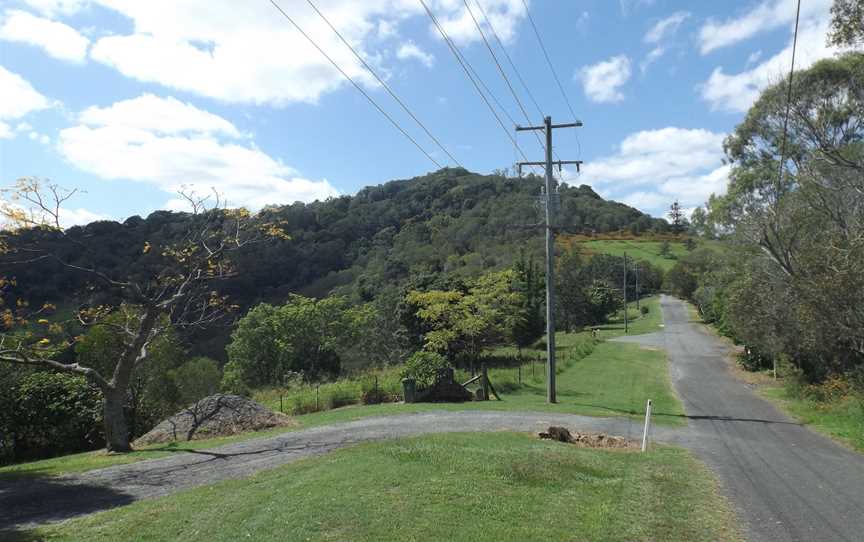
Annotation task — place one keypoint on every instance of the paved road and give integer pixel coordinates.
(787, 482)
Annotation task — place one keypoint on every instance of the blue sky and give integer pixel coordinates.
(130, 101)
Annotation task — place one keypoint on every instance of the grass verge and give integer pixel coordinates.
(842, 420)
(499, 486)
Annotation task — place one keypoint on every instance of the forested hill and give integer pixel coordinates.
(449, 223)
(428, 230)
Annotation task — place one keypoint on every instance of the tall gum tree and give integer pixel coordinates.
(808, 222)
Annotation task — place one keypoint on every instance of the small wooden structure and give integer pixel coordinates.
(447, 390)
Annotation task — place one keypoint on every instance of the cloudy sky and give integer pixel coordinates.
(131, 100)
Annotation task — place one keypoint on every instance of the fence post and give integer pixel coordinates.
(485, 380)
(281, 408)
(520, 374)
(317, 405)
(647, 424)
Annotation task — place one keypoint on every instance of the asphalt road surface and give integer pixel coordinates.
(786, 482)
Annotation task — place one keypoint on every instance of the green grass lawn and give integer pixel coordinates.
(842, 420)
(498, 486)
(640, 250)
(615, 379)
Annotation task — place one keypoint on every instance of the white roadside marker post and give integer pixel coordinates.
(647, 424)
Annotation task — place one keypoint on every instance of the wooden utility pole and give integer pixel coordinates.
(625, 294)
(549, 193)
(636, 268)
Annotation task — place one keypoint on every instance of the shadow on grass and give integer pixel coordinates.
(688, 417)
(36, 499)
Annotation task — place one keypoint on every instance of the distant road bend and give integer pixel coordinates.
(786, 482)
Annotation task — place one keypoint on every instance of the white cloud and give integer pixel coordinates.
(411, 50)
(53, 8)
(660, 36)
(387, 29)
(651, 57)
(57, 39)
(158, 115)
(768, 15)
(737, 92)
(654, 167)
(79, 217)
(41, 138)
(601, 81)
(255, 55)
(504, 15)
(118, 142)
(68, 217)
(17, 99)
(754, 57)
(666, 27)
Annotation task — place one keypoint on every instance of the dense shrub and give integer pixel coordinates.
(423, 367)
(196, 379)
(644, 310)
(751, 360)
(53, 414)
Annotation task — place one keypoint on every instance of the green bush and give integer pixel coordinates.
(751, 360)
(423, 367)
(196, 379)
(53, 414)
(644, 310)
(233, 381)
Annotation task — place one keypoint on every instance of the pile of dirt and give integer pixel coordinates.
(215, 416)
(587, 440)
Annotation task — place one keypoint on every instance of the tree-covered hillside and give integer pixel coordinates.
(444, 225)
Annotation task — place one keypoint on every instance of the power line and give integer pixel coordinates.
(462, 62)
(501, 71)
(788, 101)
(487, 89)
(384, 84)
(548, 61)
(357, 86)
(507, 56)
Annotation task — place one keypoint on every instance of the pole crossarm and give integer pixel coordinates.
(576, 124)
(558, 163)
